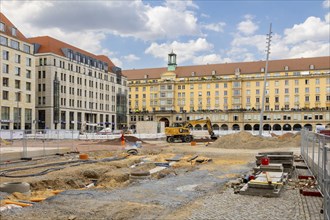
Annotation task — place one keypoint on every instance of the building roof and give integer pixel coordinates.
(52, 45)
(299, 64)
(8, 26)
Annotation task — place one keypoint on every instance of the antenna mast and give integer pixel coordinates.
(268, 40)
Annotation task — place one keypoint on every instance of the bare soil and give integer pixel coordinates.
(224, 159)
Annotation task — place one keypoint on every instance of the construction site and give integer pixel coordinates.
(127, 177)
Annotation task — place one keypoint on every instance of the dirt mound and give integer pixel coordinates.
(118, 141)
(245, 140)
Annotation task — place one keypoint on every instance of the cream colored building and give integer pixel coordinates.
(17, 88)
(297, 94)
(77, 90)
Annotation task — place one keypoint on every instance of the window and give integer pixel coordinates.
(5, 82)
(277, 91)
(28, 74)
(296, 82)
(26, 48)
(257, 91)
(277, 99)
(277, 83)
(5, 95)
(17, 71)
(286, 91)
(5, 68)
(14, 44)
(13, 31)
(5, 55)
(17, 96)
(286, 82)
(225, 85)
(17, 84)
(296, 90)
(2, 26)
(306, 98)
(3, 40)
(28, 86)
(317, 81)
(28, 61)
(317, 98)
(17, 58)
(306, 81)
(317, 90)
(28, 98)
(257, 83)
(307, 90)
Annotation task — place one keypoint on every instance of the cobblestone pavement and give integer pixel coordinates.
(290, 205)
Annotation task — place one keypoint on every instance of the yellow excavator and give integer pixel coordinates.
(181, 131)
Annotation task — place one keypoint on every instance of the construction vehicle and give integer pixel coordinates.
(181, 131)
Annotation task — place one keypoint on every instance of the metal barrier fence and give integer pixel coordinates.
(315, 149)
(24, 144)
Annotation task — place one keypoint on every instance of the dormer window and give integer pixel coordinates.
(237, 71)
(2, 26)
(14, 31)
(286, 68)
(146, 76)
(214, 72)
(262, 69)
(193, 73)
(311, 67)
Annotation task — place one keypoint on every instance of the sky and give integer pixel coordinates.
(140, 34)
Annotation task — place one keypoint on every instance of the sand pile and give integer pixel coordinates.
(245, 140)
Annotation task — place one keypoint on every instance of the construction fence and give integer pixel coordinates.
(315, 150)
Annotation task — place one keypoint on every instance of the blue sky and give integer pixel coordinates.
(140, 34)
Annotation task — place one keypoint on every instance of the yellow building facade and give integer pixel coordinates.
(297, 94)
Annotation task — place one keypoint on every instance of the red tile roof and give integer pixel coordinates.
(52, 45)
(8, 26)
(300, 64)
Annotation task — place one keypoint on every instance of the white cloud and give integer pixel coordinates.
(186, 51)
(313, 28)
(326, 4)
(209, 59)
(131, 58)
(196, 51)
(307, 39)
(217, 27)
(142, 21)
(247, 26)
